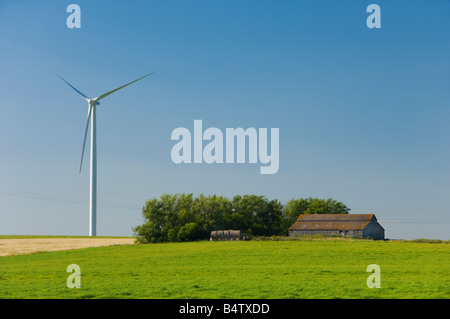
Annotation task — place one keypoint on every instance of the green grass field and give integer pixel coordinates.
(252, 269)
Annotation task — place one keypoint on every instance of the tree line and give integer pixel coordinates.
(183, 217)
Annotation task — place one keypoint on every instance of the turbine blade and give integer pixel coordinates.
(84, 96)
(98, 98)
(85, 135)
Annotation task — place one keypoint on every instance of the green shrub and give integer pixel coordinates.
(189, 232)
(172, 234)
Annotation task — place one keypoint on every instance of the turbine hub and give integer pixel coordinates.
(92, 102)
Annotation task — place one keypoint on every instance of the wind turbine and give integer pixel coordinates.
(93, 103)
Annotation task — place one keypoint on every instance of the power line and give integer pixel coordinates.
(75, 200)
(415, 221)
(65, 199)
(401, 209)
(58, 187)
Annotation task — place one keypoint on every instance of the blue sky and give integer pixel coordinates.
(363, 113)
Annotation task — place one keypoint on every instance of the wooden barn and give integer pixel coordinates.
(345, 225)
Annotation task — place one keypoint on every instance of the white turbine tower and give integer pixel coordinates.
(93, 175)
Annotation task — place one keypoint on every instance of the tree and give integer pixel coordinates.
(241, 216)
(189, 232)
(163, 215)
(255, 215)
(210, 213)
(267, 219)
(154, 216)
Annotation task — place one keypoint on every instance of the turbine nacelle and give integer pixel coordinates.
(93, 102)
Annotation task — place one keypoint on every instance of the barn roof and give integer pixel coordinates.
(332, 221)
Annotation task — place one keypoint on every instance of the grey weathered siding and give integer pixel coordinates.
(347, 233)
(373, 230)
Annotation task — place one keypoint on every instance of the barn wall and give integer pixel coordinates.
(349, 233)
(373, 230)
